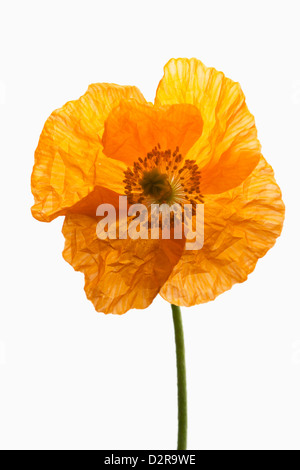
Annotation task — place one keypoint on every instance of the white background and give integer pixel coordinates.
(75, 379)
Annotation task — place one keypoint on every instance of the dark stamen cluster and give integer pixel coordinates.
(163, 176)
(190, 177)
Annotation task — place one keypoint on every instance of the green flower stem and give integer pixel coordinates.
(181, 378)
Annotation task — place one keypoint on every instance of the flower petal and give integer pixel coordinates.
(241, 225)
(134, 129)
(119, 274)
(69, 161)
(228, 149)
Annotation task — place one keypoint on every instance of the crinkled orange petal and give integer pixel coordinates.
(90, 204)
(119, 274)
(241, 225)
(228, 149)
(134, 129)
(69, 162)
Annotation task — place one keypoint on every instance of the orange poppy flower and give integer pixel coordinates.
(198, 143)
